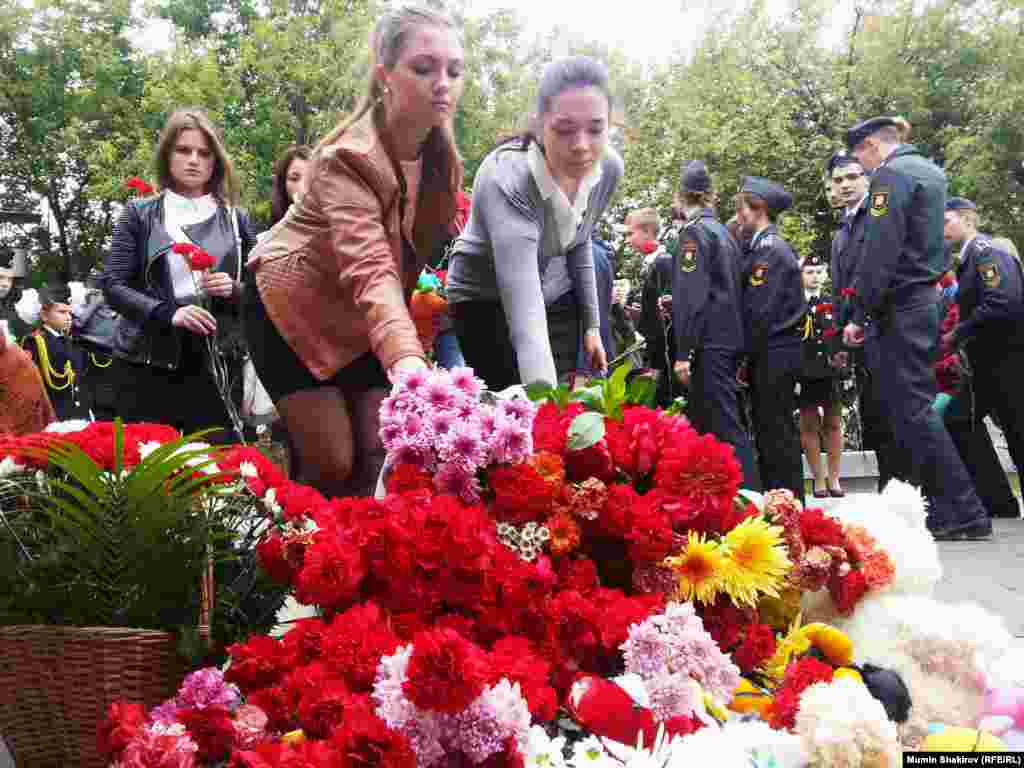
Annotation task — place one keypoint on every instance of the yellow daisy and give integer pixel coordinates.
(699, 568)
(756, 562)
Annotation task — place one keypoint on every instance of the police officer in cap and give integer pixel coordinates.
(12, 271)
(61, 363)
(896, 287)
(707, 318)
(773, 307)
(991, 327)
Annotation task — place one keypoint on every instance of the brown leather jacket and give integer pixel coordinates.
(333, 273)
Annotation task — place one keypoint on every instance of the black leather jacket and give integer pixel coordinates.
(137, 282)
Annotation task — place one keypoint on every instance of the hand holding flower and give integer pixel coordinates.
(218, 284)
(195, 319)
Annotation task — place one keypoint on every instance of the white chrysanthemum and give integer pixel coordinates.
(841, 724)
(542, 751)
(590, 753)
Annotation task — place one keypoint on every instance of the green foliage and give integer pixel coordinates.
(760, 93)
(87, 547)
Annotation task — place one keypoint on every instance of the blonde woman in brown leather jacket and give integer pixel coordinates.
(328, 319)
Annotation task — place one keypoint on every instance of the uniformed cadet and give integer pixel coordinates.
(991, 302)
(773, 307)
(904, 259)
(821, 413)
(61, 363)
(850, 183)
(707, 318)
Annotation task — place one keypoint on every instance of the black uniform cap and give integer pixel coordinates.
(862, 130)
(55, 293)
(839, 159)
(777, 198)
(960, 204)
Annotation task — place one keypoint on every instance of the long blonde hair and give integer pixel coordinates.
(224, 183)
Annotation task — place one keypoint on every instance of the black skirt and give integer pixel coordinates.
(282, 372)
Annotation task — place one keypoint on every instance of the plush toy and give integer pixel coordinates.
(1003, 715)
(951, 739)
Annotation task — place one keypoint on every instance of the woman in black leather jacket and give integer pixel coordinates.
(155, 290)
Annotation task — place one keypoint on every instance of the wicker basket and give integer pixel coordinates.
(56, 684)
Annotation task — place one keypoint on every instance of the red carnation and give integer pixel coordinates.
(514, 658)
(702, 471)
(823, 308)
(798, 678)
(551, 427)
(365, 740)
(257, 663)
(647, 247)
(593, 461)
(299, 501)
(322, 708)
(123, 723)
(271, 554)
(198, 259)
(848, 293)
(332, 570)
(406, 477)
(757, 647)
(273, 701)
(847, 590)
(446, 672)
(139, 186)
(354, 643)
(829, 333)
(818, 529)
(212, 729)
(521, 494)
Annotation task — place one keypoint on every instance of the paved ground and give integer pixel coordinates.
(991, 573)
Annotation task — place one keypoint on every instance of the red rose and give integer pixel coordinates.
(757, 647)
(212, 729)
(847, 590)
(446, 672)
(123, 723)
(322, 709)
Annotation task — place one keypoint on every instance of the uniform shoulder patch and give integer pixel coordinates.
(758, 273)
(880, 201)
(989, 273)
(688, 256)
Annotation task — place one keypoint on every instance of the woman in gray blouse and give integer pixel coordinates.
(521, 278)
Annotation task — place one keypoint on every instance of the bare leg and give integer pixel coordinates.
(833, 428)
(320, 428)
(369, 453)
(810, 427)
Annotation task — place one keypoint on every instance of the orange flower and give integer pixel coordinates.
(565, 534)
(859, 543)
(549, 466)
(879, 569)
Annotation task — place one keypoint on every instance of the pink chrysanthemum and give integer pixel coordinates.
(440, 394)
(206, 688)
(464, 445)
(672, 695)
(464, 380)
(511, 443)
(519, 409)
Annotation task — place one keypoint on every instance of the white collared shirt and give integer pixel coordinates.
(181, 212)
(568, 215)
(556, 281)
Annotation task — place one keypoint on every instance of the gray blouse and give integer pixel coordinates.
(505, 251)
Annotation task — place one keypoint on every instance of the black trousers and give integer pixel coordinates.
(974, 444)
(773, 377)
(900, 350)
(876, 435)
(487, 345)
(997, 394)
(714, 407)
